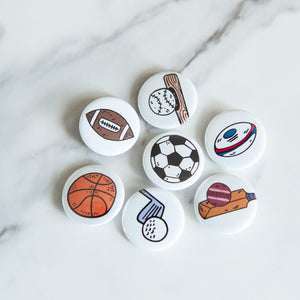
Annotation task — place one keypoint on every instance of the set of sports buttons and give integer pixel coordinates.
(153, 217)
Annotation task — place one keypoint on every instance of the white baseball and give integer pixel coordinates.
(162, 102)
(155, 229)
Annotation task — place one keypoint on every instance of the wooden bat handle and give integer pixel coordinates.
(173, 84)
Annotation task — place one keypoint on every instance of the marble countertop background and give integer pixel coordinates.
(57, 56)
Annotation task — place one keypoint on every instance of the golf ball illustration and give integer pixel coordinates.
(155, 229)
(162, 102)
(235, 139)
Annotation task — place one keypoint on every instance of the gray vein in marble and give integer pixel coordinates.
(7, 232)
(219, 32)
(236, 15)
(54, 58)
(4, 80)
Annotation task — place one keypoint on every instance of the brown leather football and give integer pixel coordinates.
(109, 125)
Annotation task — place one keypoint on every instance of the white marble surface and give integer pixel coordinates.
(56, 56)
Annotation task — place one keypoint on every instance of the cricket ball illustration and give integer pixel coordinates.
(221, 200)
(218, 194)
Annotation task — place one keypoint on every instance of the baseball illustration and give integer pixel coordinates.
(162, 102)
(155, 229)
(218, 194)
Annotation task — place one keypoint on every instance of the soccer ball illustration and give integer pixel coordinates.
(174, 158)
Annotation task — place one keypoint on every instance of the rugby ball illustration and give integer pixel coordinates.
(235, 139)
(109, 124)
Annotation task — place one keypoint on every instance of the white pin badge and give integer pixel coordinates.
(153, 219)
(109, 126)
(167, 100)
(173, 161)
(235, 139)
(93, 195)
(225, 203)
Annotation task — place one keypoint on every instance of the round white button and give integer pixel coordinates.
(109, 126)
(235, 139)
(167, 100)
(225, 203)
(93, 195)
(173, 161)
(153, 219)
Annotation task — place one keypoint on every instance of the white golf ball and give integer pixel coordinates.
(155, 229)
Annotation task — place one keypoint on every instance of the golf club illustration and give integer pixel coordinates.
(155, 228)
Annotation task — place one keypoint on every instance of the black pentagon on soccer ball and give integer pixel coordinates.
(160, 172)
(177, 140)
(185, 175)
(174, 159)
(155, 150)
(195, 156)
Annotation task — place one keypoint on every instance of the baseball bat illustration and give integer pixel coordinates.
(239, 200)
(173, 84)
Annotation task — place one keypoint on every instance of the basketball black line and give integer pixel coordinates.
(90, 195)
(89, 190)
(72, 192)
(92, 173)
(91, 212)
(80, 202)
(101, 175)
(94, 182)
(106, 209)
(94, 194)
(91, 206)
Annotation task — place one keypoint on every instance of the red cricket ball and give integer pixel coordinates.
(218, 194)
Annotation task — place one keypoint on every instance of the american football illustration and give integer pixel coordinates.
(109, 125)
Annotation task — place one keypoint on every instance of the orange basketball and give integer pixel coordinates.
(92, 195)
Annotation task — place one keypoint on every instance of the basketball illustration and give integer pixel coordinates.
(218, 194)
(92, 195)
